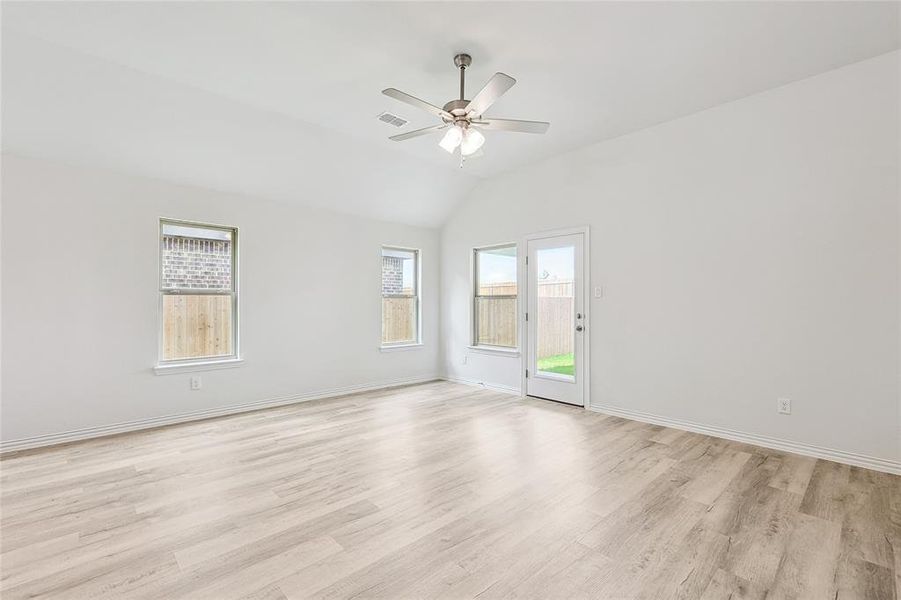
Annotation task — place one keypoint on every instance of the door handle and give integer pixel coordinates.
(579, 328)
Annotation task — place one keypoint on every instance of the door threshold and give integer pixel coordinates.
(555, 401)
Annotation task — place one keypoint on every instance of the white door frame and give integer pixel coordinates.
(586, 305)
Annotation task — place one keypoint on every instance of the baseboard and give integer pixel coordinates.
(840, 456)
(65, 437)
(849, 458)
(490, 386)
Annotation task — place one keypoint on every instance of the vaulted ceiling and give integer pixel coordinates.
(279, 100)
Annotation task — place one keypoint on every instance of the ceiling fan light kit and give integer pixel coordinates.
(464, 118)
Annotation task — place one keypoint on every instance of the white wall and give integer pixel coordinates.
(748, 252)
(80, 303)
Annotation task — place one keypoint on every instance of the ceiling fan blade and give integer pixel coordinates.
(416, 133)
(512, 125)
(414, 101)
(494, 89)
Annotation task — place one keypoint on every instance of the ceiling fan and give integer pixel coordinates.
(464, 118)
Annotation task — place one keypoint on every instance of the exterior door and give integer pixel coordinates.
(555, 318)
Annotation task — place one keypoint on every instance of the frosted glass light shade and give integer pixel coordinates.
(451, 139)
(472, 141)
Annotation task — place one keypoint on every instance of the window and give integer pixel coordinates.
(494, 302)
(198, 292)
(400, 296)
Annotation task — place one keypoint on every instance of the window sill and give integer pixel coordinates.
(400, 347)
(495, 350)
(192, 367)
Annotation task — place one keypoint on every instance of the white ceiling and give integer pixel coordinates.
(280, 99)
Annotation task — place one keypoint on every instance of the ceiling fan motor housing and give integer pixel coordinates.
(456, 108)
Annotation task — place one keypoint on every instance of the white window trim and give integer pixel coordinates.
(401, 347)
(187, 365)
(495, 350)
(417, 274)
(172, 368)
(473, 283)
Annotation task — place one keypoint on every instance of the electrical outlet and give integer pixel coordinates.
(784, 406)
(598, 292)
(196, 382)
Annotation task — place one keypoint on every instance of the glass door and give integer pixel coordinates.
(556, 323)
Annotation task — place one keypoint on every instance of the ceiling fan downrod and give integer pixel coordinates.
(456, 109)
(462, 61)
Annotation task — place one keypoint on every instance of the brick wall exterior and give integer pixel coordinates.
(392, 275)
(196, 263)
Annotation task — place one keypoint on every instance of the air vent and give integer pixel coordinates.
(390, 119)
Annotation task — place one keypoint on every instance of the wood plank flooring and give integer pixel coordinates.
(440, 491)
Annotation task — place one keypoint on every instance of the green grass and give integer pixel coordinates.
(561, 363)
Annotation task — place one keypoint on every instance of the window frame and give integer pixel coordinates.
(474, 297)
(212, 362)
(417, 295)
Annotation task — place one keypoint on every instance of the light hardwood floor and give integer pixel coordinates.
(441, 491)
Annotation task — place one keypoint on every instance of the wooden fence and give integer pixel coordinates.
(201, 325)
(398, 320)
(496, 319)
(545, 289)
(555, 318)
(497, 289)
(555, 289)
(196, 326)
(555, 325)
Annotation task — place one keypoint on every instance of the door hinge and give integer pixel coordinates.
(527, 316)
(527, 373)
(527, 260)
